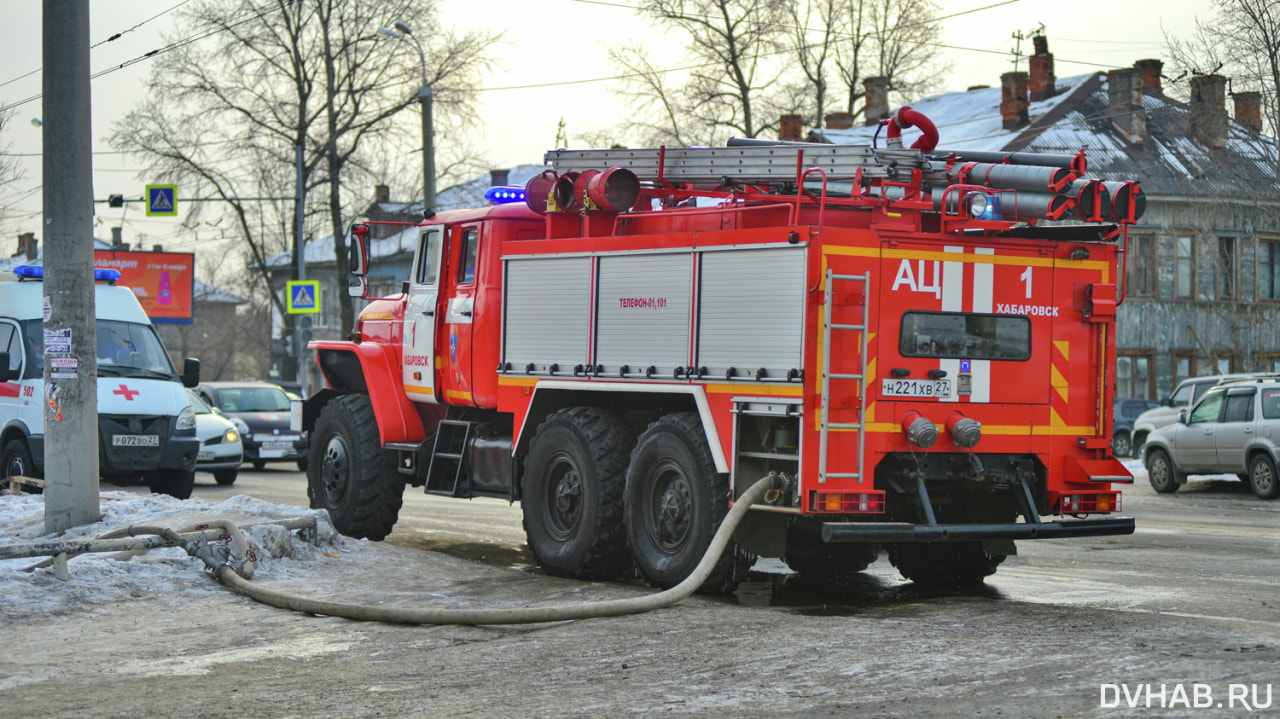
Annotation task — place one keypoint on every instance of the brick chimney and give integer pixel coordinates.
(381, 193)
(27, 245)
(1208, 110)
(1150, 70)
(839, 120)
(790, 128)
(876, 92)
(1124, 105)
(1249, 109)
(1013, 100)
(1041, 83)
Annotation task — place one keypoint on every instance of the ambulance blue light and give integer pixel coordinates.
(36, 272)
(505, 194)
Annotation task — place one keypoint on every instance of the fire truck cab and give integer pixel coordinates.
(914, 344)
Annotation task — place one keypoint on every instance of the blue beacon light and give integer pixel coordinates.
(505, 194)
(36, 272)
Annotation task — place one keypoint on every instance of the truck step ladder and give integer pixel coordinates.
(828, 328)
(447, 457)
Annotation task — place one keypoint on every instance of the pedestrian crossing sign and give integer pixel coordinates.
(162, 200)
(303, 297)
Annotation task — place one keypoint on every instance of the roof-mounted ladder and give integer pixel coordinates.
(829, 327)
(742, 164)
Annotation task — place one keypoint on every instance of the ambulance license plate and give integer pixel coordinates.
(135, 440)
(916, 388)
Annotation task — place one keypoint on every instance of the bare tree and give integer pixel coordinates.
(896, 39)
(227, 112)
(1242, 41)
(723, 87)
(10, 171)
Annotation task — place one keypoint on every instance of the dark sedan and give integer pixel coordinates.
(1126, 411)
(264, 410)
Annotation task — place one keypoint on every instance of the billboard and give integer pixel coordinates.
(162, 281)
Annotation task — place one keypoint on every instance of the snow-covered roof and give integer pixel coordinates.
(1169, 161)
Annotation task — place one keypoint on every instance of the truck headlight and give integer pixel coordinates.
(187, 418)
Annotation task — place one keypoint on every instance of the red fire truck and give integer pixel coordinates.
(915, 343)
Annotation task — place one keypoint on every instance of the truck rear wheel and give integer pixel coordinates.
(826, 562)
(348, 475)
(946, 564)
(173, 482)
(675, 503)
(572, 494)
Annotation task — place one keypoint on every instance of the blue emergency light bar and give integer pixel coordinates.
(505, 194)
(36, 272)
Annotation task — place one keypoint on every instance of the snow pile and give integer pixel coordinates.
(166, 572)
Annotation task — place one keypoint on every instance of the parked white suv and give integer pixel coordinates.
(1234, 429)
(1185, 395)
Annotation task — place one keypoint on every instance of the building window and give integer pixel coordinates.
(1184, 267)
(1134, 378)
(1268, 268)
(1184, 365)
(1224, 269)
(1267, 362)
(1142, 266)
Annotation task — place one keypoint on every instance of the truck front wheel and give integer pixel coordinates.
(675, 503)
(572, 494)
(348, 475)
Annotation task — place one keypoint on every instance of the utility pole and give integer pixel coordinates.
(71, 398)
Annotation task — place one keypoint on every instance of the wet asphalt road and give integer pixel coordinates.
(1180, 619)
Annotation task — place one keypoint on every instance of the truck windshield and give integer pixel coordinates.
(124, 349)
(965, 335)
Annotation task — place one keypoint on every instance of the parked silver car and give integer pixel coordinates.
(1234, 429)
(1186, 394)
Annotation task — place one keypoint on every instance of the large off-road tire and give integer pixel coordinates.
(1262, 477)
(825, 562)
(225, 477)
(1161, 473)
(571, 494)
(173, 482)
(348, 473)
(675, 503)
(944, 564)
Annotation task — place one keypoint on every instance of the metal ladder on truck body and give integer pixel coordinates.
(828, 327)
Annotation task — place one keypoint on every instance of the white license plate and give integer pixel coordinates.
(916, 388)
(204, 456)
(270, 453)
(283, 446)
(135, 440)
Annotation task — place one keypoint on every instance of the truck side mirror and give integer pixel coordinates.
(5, 374)
(357, 287)
(1182, 416)
(190, 372)
(358, 260)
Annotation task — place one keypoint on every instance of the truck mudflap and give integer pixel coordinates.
(907, 532)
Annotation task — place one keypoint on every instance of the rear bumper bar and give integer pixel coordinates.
(905, 532)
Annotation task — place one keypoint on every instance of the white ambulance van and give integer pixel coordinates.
(146, 426)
